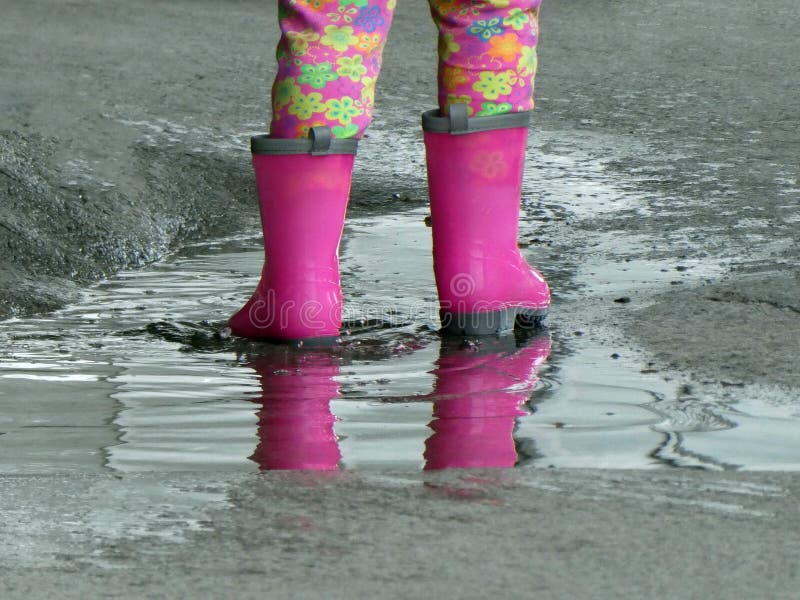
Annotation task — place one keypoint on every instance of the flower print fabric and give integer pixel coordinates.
(487, 54)
(330, 52)
(329, 57)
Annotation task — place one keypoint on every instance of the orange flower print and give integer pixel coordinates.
(445, 7)
(301, 131)
(452, 77)
(505, 47)
(315, 4)
(367, 42)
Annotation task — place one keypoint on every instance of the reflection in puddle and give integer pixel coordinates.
(478, 396)
(295, 423)
(479, 392)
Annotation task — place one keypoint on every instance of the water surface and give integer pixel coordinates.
(136, 377)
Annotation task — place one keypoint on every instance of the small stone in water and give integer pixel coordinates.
(469, 345)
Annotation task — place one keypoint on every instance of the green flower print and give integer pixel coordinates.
(317, 76)
(303, 106)
(485, 28)
(368, 91)
(351, 67)
(342, 110)
(299, 40)
(339, 38)
(516, 19)
(491, 108)
(343, 14)
(528, 61)
(447, 46)
(493, 85)
(462, 99)
(284, 91)
(358, 3)
(471, 8)
(344, 131)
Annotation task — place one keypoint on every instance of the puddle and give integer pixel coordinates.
(134, 378)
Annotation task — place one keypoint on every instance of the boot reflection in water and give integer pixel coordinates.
(295, 423)
(478, 396)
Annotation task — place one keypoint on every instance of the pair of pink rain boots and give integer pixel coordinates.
(475, 169)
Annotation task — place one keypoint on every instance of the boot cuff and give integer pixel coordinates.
(457, 122)
(318, 143)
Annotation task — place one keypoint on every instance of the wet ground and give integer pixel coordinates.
(660, 201)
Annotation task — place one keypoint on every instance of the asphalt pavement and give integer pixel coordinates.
(123, 134)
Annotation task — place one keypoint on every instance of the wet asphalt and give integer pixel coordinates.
(123, 133)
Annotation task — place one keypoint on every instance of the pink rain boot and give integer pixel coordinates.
(478, 398)
(295, 423)
(303, 187)
(475, 179)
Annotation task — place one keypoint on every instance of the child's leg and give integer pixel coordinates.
(329, 57)
(487, 54)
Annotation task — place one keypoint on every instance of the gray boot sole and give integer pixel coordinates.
(497, 322)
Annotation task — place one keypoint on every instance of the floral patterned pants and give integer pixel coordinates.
(329, 57)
